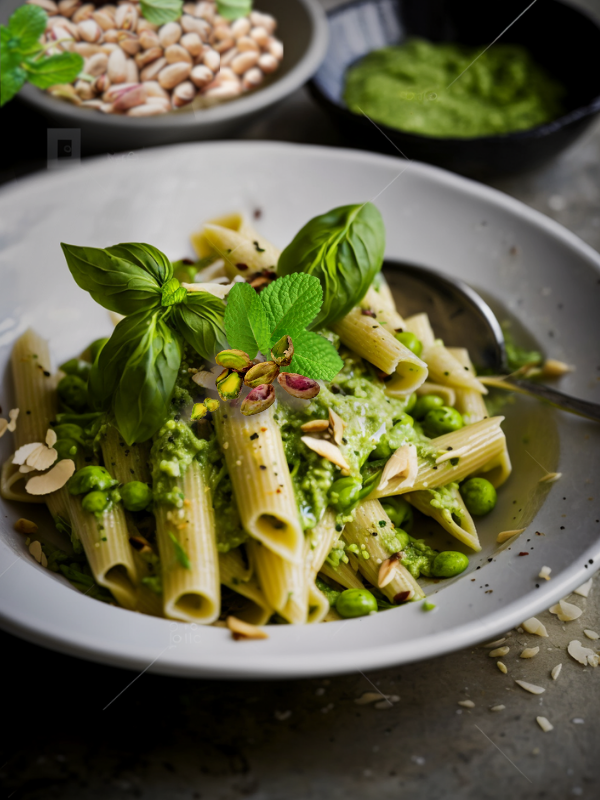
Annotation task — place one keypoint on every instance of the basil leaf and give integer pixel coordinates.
(61, 68)
(246, 321)
(199, 319)
(141, 401)
(172, 293)
(344, 249)
(116, 283)
(160, 11)
(233, 9)
(314, 357)
(110, 364)
(145, 256)
(27, 24)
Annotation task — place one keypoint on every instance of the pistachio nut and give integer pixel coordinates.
(199, 411)
(282, 352)
(259, 399)
(229, 385)
(234, 359)
(211, 405)
(298, 385)
(265, 372)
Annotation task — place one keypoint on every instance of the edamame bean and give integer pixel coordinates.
(399, 511)
(449, 564)
(73, 392)
(479, 496)
(136, 496)
(66, 448)
(409, 340)
(425, 404)
(95, 348)
(88, 479)
(442, 420)
(95, 502)
(355, 603)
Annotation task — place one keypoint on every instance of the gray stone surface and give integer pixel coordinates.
(171, 739)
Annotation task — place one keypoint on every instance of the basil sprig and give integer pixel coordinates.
(135, 373)
(344, 249)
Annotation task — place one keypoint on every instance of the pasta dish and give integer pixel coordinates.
(257, 437)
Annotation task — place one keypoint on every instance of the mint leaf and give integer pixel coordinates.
(27, 24)
(314, 357)
(180, 554)
(233, 9)
(291, 303)
(61, 68)
(246, 322)
(160, 11)
(11, 81)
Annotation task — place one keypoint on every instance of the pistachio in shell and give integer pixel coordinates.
(234, 359)
(298, 385)
(229, 385)
(199, 411)
(259, 399)
(283, 352)
(266, 372)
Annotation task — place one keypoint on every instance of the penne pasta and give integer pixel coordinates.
(238, 577)
(469, 402)
(458, 523)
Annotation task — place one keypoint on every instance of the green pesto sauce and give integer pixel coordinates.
(408, 87)
(444, 499)
(418, 558)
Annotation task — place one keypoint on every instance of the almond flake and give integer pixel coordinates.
(35, 548)
(544, 724)
(244, 630)
(402, 463)
(42, 458)
(506, 535)
(530, 687)
(205, 379)
(534, 626)
(551, 477)
(12, 415)
(25, 469)
(584, 589)
(220, 290)
(566, 612)
(466, 703)
(315, 426)
(592, 634)
(584, 655)
(387, 571)
(337, 426)
(326, 449)
(53, 480)
(23, 453)
(51, 437)
(555, 671)
(25, 526)
(498, 708)
(544, 573)
(499, 652)
(529, 652)
(3, 426)
(367, 697)
(502, 667)
(497, 643)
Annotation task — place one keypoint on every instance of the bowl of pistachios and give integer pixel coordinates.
(141, 73)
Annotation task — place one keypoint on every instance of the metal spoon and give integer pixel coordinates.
(462, 318)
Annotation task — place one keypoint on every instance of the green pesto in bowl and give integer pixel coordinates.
(453, 91)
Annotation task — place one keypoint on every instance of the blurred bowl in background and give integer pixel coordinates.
(302, 27)
(562, 39)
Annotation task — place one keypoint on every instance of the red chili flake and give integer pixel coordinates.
(401, 597)
(523, 554)
(242, 267)
(366, 312)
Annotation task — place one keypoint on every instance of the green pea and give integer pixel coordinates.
(136, 496)
(449, 564)
(95, 502)
(344, 492)
(95, 348)
(73, 392)
(355, 603)
(479, 496)
(405, 419)
(88, 479)
(425, 404)
(78, 367)
(442, 420)
(66, 448)
(399, 511)
(409, 340)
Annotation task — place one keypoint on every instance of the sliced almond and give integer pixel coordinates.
(3, 426)
(529, 652)
(23, 453)
(35, 548)
(566, 612)
(337, 426)
(495, 643)
(544, 573)
(497, 708)
(326, 449)
(315, 426)
(466, 703)
(555, 671)
(244, 630)
(498, 652)
(531, 687)
(12, 415)
(402, 463)
(584, 655)
(551, 477)
(534, 626)
(51, 437)
(25, 526)
(53, 480)
(42, 458)
(24, 469)
(591, 634)
(387, 571)
(584, 589)
(544, 724)
(506, 535)
(502, 667)
(367, 697)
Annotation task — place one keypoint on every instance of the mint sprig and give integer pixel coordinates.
(246, 322)
(234, 9)
(160, 11)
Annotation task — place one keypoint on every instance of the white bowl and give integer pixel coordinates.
(302, 26)
(529, 264)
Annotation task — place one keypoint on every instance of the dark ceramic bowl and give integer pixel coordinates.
(563, 39)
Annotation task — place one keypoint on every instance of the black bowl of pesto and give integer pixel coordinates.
(415, 76)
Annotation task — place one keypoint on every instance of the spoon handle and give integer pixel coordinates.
(582, 407)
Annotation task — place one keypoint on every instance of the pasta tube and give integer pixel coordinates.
(261, 479)
(125, 462)
(283, 582)
(34, 388)
(381, 302)
(238, 577)
(469, 402)
(460, 526)
(342, 574)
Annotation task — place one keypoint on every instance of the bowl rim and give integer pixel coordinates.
(539, 131)
(229, 111)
